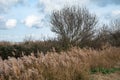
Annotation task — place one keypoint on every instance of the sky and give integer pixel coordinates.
(21, 19)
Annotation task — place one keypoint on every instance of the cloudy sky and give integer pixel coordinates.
(24, 18)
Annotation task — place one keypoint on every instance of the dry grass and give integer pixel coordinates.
(74, 64)
(112, 76)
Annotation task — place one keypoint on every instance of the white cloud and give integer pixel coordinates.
(11, 23)
(31, 20)
(34, 21)
(51, 5)
(7, 24)
(104, 3)
(2, 22)
(47, 6)
(1, 17)
(5, 5)
(116, 12)
(113, 14)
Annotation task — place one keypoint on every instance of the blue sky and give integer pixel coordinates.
(24, 18)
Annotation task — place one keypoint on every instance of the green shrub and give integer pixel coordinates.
(104, 70)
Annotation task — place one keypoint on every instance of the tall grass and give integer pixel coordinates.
(74, 64)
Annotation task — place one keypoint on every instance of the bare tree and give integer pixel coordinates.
(74, 24)
(101, 38)
(115, 32)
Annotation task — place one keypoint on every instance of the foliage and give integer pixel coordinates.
(27, 47)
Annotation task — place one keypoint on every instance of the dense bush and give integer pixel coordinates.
(28, 47)
(13, 50)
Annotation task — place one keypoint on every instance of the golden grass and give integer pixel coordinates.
(74, 64)
(112, 76)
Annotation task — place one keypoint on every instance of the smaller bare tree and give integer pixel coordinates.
(115, 32)
(102, 37)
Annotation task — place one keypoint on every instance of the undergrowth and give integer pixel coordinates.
(74, 64)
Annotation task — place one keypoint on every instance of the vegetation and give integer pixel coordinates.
(27, 47)
(75, 27)
(75, 64)
(104, 70)
(80, 49)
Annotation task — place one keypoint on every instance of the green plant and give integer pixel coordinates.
(104, 70)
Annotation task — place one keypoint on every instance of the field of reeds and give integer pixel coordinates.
(74, 64)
